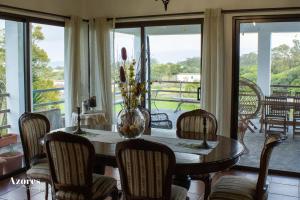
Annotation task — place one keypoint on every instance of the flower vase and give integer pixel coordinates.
(131, 123)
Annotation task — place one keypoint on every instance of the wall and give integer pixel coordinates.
(119, 8)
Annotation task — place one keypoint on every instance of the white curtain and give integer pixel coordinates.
(101, 40)
(212, 77)
(75, 65)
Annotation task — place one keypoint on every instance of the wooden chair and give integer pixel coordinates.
(275, 115)
(237, 188)
(190, 126)
(146, 170)
(32, 128)
(71, 161)
(296, 116)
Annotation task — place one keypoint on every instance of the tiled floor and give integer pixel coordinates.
(280, 187)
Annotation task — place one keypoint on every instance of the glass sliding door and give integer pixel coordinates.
(173, 70)
(12, 94)
(47, 72)
(130, 38)
(269, 71)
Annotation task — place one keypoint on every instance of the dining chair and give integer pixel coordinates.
(296, 116)
(190, 126)
(32, 128)
(71, 161)
(146, 170)
(240, 187)
(275, 115)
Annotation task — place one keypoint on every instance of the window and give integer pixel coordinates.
(267, 66)
(47, 70)
(172, 67)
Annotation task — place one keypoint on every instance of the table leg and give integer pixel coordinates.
(183, 181)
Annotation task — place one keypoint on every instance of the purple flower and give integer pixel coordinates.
(124, 54)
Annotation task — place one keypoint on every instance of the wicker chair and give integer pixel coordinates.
(146, 170)
(276, 115)
(296, 116)
(32, 128)
(71, 161)
(161, 120)
(190, 126)
(237, 188)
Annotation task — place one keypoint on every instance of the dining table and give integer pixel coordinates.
(223, 154)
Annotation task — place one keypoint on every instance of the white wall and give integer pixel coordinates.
(119, 8)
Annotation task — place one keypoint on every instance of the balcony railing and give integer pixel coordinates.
(44, 104)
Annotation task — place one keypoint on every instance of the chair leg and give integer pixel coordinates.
(115, 194)
(46, 191)
(28, 191)
(207, 183)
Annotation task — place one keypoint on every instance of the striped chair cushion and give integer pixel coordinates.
(102, 186)
(145, 172)
(178, 193)
(39, 171)
(33, 130)
(70, 162)
(192, 127)
(234, 188)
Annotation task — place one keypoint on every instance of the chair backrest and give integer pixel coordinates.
(280, 93)
(275, 106)
(297, 105)
(146, 169)
(71, 160)
(33, 127)
(270, 142)
(190, 125)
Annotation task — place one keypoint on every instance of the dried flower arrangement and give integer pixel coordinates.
(132, 89)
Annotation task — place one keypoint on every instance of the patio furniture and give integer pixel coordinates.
(296, 116)
(275, 115)
(71, 159)
(161, 120)
(297, 94)
(280, 93)
(146, 170)
(32, 127)
(237, 188)
(190, 126)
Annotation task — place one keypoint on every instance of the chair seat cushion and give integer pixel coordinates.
(39, 171)
(234, 188)
(178, 193)
(102, 187)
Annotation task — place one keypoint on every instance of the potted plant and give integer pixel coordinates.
(8, 139)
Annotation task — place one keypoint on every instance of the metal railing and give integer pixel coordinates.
(3, 112)
(155, 92)
(35, 105)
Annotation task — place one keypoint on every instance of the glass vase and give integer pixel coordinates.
(131, 123)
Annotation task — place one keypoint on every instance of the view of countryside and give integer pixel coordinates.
(46, 65)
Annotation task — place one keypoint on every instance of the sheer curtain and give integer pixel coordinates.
(76, 64)
(212, 77)
(101, 46)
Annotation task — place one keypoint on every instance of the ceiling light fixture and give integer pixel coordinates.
(165, 2)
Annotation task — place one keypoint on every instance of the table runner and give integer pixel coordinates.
(177, 145)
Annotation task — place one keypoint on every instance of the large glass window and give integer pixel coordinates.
(172, 67)
(269, 88)
(47, 71)
(12, 101)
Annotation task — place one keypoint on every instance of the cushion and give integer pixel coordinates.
(102, 187)
(39, 171)
(234, 188)
(178, 193)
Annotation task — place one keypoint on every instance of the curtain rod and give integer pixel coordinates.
(201, 13)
